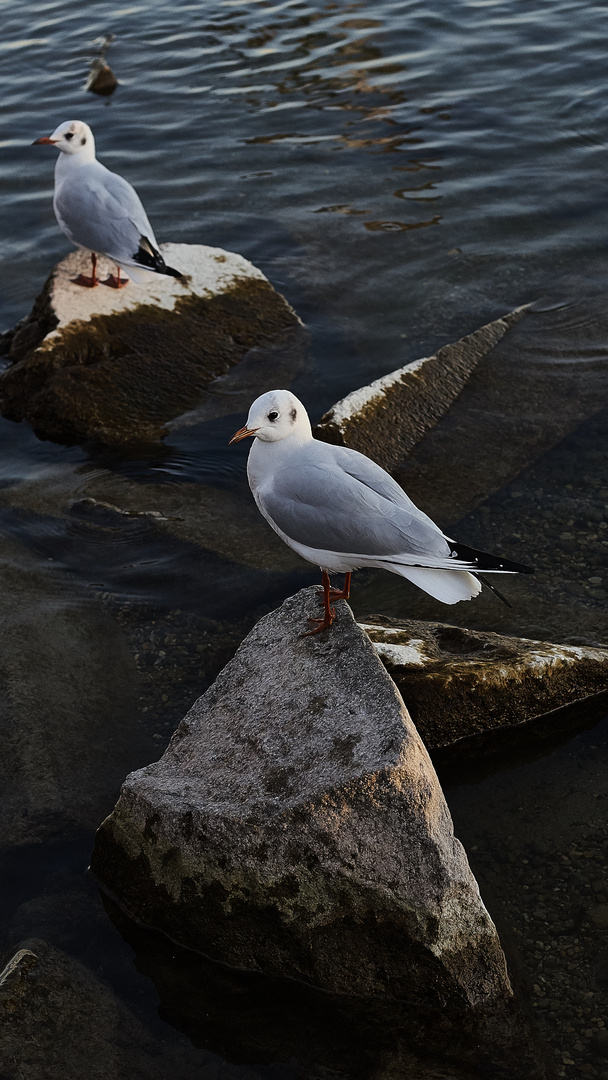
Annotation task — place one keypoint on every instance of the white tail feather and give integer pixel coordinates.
(449, 586)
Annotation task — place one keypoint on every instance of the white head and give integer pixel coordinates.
(275, 416)
(72, 137)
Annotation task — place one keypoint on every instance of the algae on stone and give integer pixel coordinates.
(474, 694)
(117, 366)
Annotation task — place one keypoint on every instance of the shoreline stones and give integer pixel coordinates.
(296, 826)
(117, 365)
(474, 694)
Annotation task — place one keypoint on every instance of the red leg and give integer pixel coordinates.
(329, 615)
(92, 281)
(116, 282)
(342, 594)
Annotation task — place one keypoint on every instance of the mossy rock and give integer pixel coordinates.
(115, 366)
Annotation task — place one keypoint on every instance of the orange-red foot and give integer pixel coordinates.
(115, 282)
(339, 594)
(86, 282)
(329, 614)
(322, 624)
(93, 280)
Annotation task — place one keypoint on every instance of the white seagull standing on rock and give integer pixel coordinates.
(340, 511)
(100, 211)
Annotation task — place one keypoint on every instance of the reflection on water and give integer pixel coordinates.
(403, 173)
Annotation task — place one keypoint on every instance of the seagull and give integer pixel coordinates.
(99, 210)
(341, 511)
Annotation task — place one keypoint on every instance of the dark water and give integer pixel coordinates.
(402, 173)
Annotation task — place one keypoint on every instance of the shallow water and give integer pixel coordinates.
(402, 174)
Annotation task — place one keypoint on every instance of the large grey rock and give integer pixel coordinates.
(295, 825)
(472, 694)
(118, 365)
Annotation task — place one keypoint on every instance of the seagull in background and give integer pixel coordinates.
(99, 210)
(340, 511)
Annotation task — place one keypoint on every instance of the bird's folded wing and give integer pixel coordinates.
(367, 472)
(101, 211)
(329, 509)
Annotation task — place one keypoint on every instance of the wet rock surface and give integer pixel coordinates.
(456, 427)
(254, 1017)
(386, 419)
(297, 827)
(533, 389)
(474, 694)
(116, 366)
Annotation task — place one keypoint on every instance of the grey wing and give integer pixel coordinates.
(329, 509)
(100, 210)
(371, 475)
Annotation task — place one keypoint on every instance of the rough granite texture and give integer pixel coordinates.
(386, 419)
(117, 365)
(473, 694)
(295, 825)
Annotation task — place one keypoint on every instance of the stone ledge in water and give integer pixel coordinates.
(472, 694)
(117, 365)
(386, 419)
(295, 825)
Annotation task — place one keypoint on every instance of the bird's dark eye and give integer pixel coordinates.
(273, 415)
(69, 134)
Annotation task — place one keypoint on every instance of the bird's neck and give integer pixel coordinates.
(266, 457)
(67, 163)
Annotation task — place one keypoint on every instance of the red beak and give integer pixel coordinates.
(242, 433)
(44, 139)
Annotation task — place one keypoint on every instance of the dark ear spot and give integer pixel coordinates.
(293, 415)
(83, 140)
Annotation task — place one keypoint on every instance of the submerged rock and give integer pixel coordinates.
(472, 694)
(295, 825)
(456, 427)
(60, 1021)
(117, 365)
(386, 419)
(69, 716)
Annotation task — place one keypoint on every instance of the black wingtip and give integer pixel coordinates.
(148, 256)
(492, 588)
(172, 272)
(482, 560)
